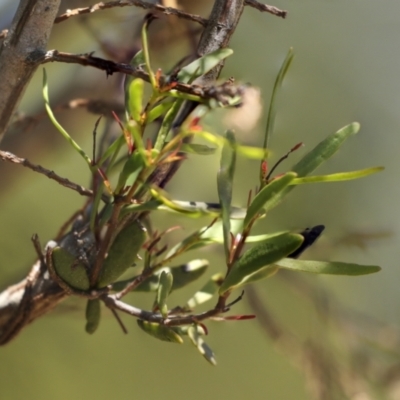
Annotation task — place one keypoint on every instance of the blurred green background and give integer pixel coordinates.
(346, 69)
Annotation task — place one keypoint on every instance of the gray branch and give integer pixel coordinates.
(26, 39)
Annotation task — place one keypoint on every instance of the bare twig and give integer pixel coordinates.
(219, 92)
(27, 36)
(172, 320)
(7, 156)
(142, 4)
(266, 8)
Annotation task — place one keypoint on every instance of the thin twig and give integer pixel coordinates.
(266, 8)
(113, 303)
(219, 92)
(142, 4)
(119, 320)
(7, 156)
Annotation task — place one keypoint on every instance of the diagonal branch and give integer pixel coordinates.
(28, 34)
(7, 156)
(219, 93)
(266, 8)
(137, 3)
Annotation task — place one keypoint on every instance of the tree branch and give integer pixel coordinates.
(27, 36)
(219, 93)
(142, 4)
(7, 156)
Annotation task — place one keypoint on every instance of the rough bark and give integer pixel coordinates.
(26, 41)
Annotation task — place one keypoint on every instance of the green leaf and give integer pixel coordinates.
(182, 275)
(203, 64)
(199, 149)
(324, 150)
(138, 59)
(224, 185)
(184, 208)
(167, 124)
(159, 110)
(341, 176)
(206, 293)
(122, 254)
(163, 290)
(278, 82)
(184, 329)
(325, 267)
(69, 269)
(201, 345)
(146, 56)
(93, 314)
(58, 126)
(159, 331)
(112, 150)
(261, 238)
(258, 257)
(134, 99)
(268, 197)
(131, 170)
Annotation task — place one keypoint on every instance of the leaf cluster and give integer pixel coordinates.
(115, 225)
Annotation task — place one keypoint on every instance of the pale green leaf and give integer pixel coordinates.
(202, 65)
(164, 288)
(327, 267)
(341, 176)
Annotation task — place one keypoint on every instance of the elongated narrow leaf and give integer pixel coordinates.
(262, 237)
(183, 330)
(327, 267)
(181, 276)
(199, 149)
(167, 124)
(268, 197)
(163, 290)
(58, 126)
(146, 55)
(160, 332)
(341, 176)
(202, 65)
(253, 153)
(159, 110)
(278, 82)
(207, 292)
(258, 257)
(224, 185)
(324, 150)
(182, 208)
(130, 171)
(93, 310)
(201, 345)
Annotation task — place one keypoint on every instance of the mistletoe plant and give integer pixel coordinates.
(113, 235)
